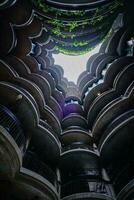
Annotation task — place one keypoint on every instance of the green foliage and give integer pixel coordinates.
(65, 51)
(80, 44)
(109, 34)
(102, 12)
(57, 27)
(40, 4)
(72, 25)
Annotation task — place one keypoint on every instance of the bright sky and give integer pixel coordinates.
(73, 65)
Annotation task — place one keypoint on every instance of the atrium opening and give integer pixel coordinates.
(77, 62)
(66, 99)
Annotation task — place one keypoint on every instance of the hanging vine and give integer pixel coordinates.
(69, 29)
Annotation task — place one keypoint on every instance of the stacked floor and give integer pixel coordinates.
(59, 140)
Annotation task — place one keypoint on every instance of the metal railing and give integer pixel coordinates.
(33, 163)
(9, 121)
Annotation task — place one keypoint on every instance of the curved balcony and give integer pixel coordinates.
(90, 35)
(48, 127)
(49, 46)
(77, 50)
(76, 137)
(7, 37)
(41, 82)
(90, 60)
(125, 73)
(32, 88)
(22, 105)
(94, 64)
(64, 83)
(43, 60)
(6, 3)
(29, 60)
(110, 75)
(119, 87)
(7, 73)
(78, 145)
(124, 41)
(98, 78)
(104, 46)
(31, 185)
(26, 65)
(13, 142)
(20, 13)
(116, 100)
(112, 111)
(43, 38)
(44, 141)
(53, 104)
(33, 29)
(81, 77)
(110, 97)
(98, 105)
(59, 71)
(78, 161)
(9, 121)
(78, 4)
(89, 196)
(22, 50)
(27, 187)
(123, 174)
(10, 155)
(116, 67)
(52, 120)
(36, 50)
(112, 45)
(59, 97)
(72, 108)
(117, 136)
(127, 192)
(97, 68)
(74, 120)
(49, 79)
(54, 74)
(18, 65)
(92, 21)
(66, 14)
(87, 189)
(85, 77)
(33, 163)
(72, 98)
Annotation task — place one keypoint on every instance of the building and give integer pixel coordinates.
(59, 140)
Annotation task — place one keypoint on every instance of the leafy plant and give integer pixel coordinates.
(40, 4)
(72, 25)
(79, 43)
(72, 52)
(67, 29)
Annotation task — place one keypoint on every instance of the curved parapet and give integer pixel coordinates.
(116, 108)
(10, 155)
(32, 185)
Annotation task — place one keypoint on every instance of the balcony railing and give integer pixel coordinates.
(6, 3)
(32, 163)
(86, 186)
(77, 145)
(9, 121)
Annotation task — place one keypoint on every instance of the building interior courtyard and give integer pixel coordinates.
(67, 100)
